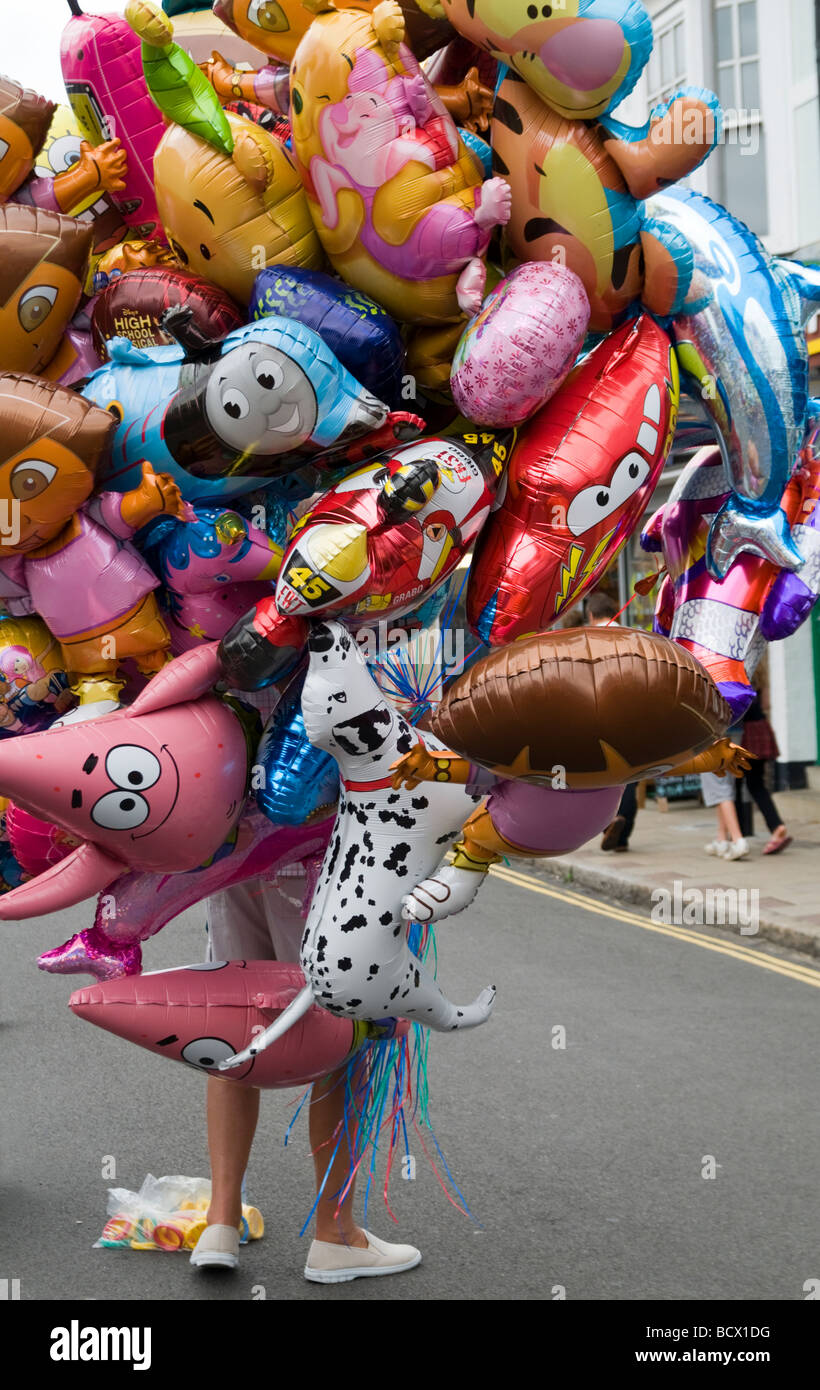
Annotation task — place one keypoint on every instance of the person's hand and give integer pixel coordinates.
(157, 493)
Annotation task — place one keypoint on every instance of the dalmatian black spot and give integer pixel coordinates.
(350, 859)
(352, 1003)
(374, 970)
(334, 855)
(345, 963)
(393, 798)
(443, 839)
(401, 818)
(419, 803)
(397, 853)
(352, 923)
(364, 733)
(386, 918)
(394, 992)
(416, 978)
(367, 840)
(359, 891)
(404, 742)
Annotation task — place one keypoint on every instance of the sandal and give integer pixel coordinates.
(775, 845)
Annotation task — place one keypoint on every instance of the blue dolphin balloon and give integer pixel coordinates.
(740, 339)
(224, 417)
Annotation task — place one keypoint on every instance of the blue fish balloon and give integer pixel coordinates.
(740, 339)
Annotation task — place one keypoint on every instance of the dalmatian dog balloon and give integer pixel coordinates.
(354, 952)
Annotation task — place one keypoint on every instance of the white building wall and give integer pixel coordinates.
(792, 697)
(791, 118)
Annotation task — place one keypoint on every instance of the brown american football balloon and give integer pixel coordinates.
(608, 705)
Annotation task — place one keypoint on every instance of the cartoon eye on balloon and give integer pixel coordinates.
(120, 810)
(269, 374)
(594, 503)
(207, 1052)
(30, 478)
(268, 15)
(35, 306)
(129, 765)
(234, 403)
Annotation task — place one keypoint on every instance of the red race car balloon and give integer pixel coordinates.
(577, 484)
(389, 534)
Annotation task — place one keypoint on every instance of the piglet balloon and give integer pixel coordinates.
(155, 790)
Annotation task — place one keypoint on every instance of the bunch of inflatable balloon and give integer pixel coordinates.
(306, 308)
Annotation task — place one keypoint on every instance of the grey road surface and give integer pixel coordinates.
(584, 1163)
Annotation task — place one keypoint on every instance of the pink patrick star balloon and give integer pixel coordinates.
(156, 788)
(145, 902)
(203, 1014)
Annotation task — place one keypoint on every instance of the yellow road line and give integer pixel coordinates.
(806, 974)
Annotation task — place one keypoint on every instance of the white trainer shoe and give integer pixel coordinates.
(717, 847)
(738, 849)
(328, 1263)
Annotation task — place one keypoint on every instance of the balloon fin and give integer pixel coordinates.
(295, 1010)
(805, 279)
(86, 872)
(734, 531)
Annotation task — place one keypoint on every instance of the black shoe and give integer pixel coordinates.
(613, 834)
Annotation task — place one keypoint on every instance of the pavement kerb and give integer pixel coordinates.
(790, 935)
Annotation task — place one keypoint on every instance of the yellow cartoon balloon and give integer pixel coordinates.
(229, 195)
(397, 198)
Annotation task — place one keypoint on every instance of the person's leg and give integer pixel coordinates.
(738, 846)
(326, 1114)
(341, 1249)
(729, 825)
(233, 1111)
(760, 795)
(628, 809)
